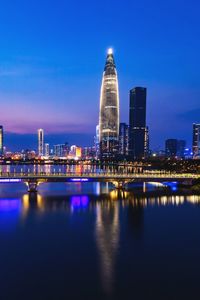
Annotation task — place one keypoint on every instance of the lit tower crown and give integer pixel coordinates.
(109, 109)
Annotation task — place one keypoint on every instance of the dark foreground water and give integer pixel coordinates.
(75, 241)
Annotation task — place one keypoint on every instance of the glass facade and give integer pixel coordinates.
(138, 132)
(109, 110)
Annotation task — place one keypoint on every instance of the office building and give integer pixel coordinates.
(61, 150)
(40, 142)
(175, 148)
(123, 139)
(196, 141)
(137, 123)
(75, 152)
(171, 146)
(89, 153)
(181, 145)
(46, 150)
(109, 110)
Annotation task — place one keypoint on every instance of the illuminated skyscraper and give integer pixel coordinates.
(137, 123)
(196, 141)
(46, 147)
(109, 110)
(1, 140)
(40, 142)
(123, 139)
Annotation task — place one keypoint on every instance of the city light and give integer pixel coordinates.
(79, 179)
(110, 51)
(9, 180)
(79, 201)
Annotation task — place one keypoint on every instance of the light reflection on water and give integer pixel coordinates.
(107, 239)
(105, 207)
(111, 210)
(22, 206)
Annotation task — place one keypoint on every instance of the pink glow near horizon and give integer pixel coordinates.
(26, 114)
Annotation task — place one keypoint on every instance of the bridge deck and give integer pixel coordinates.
(119, 180)
(98, 176)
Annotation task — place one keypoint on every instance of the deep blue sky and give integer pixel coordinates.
(53, 53)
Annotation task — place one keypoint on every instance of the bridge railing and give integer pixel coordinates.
(96, 175)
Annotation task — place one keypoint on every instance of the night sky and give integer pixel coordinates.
(52, 55)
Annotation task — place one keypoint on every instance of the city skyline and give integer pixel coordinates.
(99, 149)
(62, 75)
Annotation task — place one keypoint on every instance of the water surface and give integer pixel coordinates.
(87, 241)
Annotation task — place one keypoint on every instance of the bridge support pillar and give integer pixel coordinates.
(120, 185)
(32, 186)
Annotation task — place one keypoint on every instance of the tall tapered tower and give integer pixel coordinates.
(109, 110)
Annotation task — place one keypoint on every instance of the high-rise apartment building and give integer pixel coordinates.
(137, 123)
(40, 142)
(196, 141)
(109, 110)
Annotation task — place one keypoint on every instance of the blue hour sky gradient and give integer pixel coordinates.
(52, 55)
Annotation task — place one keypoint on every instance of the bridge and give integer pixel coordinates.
(119, 180)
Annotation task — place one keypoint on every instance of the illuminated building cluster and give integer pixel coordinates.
(120, 140)
(113, 140)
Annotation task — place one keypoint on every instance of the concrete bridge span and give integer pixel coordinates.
(120, 180)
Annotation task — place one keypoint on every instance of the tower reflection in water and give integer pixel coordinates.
(107, 239)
